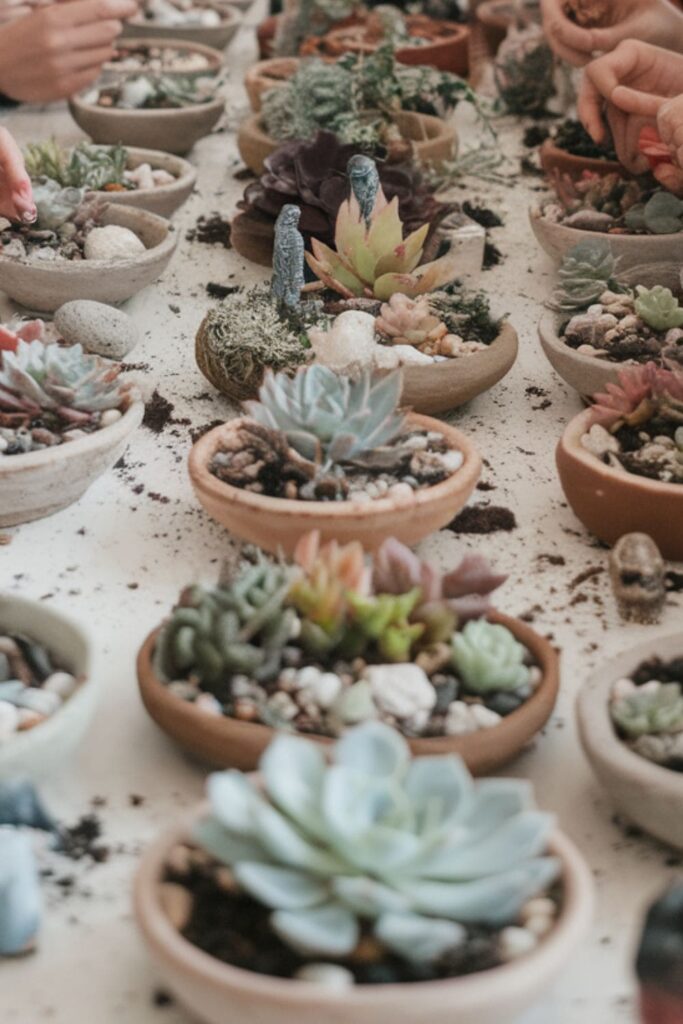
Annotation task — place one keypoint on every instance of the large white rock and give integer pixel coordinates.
(112, 242)
(349, 345)
(410, 356)
(97, 327)
(403, 690)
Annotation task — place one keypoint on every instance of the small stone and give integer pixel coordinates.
(349, 345)
(459, 721)
(61, 683)
(283, 706)
(386, 357)
(306, 677)
(207, 703)
(417, 443)
(331, 976)
(410, 356)
(183, 689)
(402, 493)
(355, 704)
(325, 689)
(28, 719)
(514, 942)
(97, 327)
(109, 417)
(225, 880)
(111, 243)
(504, 703)
(539, 905)
(434, 658)
(484, 717)
(599, 441)
(539, 924)
(9, 720)
(246, 710)
(452, 460)
(402, 690)
(176, 902)
(623, 688)
(42, 701)
(179, 859)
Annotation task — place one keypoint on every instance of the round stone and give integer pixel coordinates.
(516, 942)
(97, 327)
(9, 720)
(42, 701)
(176, 902)
(330, 975)
(112, 242)
(61, 683)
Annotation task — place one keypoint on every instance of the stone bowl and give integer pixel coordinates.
(265, 75)
(165, 199)
(44, 286)
(217, 993)
(632, 250)
(42, 750)
(37, 484)
(646, 793)
(274, 523)
(215, 36)
(434, 141)
(565, 163)
(611, 502)
(171, 131)
(112, 71)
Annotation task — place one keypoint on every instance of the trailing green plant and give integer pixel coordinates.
(488, 657)
(649, 710)
(84, 166)
(658, 307)
(414, 847)
(587, 270)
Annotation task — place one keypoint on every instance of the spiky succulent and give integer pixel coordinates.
(326, 418)
(62, 379)
(658, 307)
(588, 269)
(375, 260)
(412, 846)
(649, 709)
(488, 658)
(84, 166)
(642, 393)
(312, 99)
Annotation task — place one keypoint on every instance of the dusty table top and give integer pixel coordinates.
(119, 557)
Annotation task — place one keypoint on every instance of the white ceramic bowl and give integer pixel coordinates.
(37, 484)
(40, 750)
(648, 794)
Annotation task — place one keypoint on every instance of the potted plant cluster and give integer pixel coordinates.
(65, 417)
(168, 113)
(154, 181)
(212, 24)
(453, 929)
(621, 461)
(570, 150)
(604, 319)
(339, 639)
(162, 57)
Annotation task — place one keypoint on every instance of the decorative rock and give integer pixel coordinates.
(42, 701)
(325, 689)
(207, 703)
(9, 720)
(349, 345)
(452, 460)
(410, 356)
(112, 242)
(61, 683)
(386, 357)
(182, 689)
(637, 578)
(332, 976)
(623, 688)
(434, 658)
(28, 719)
(403, 690)
(402, 492)
(599, 441)
(109, 417)
(176, 902)
(459, 721)
(484, 717)
(355, 704)
(514, 942)
(179, 859)
(97, 327)
(283, 706)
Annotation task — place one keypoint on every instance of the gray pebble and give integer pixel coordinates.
(97, 327)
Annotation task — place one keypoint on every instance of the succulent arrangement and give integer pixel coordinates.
(33, 687)
(338, 639)
(609, 203)
(154, 92)
(153, 59)
(647, 711)
(385, 25)
(636, 425)
(92, 167)
(51, 394)
(179, 12)
(468, 875)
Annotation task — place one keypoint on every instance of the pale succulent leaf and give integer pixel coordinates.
(289, 847)
(227, 847)
(330, 930)
(385, 233)
(233, 800)
(376, 752)
(281, 888)
(416, 938)
(293, 770)
(441, 789)
(368, 897)
(520, 838)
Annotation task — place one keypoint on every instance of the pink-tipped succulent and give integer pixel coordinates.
(641, 392)
(410, 322)
(330, 572)
(375, 260)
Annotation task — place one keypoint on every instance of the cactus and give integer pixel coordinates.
(658, 307)
(488, 658)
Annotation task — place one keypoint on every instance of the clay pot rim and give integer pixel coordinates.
(214, 56)
(253, 124)
(572, 922)
(545, 655)
(184, 172)
(77, 101)
(229, 16)
(548, 329)
(454, 32)
(598, 735)
(138, 216)
(570, 442)
(204, 449)
(102, 438)
(627, 238)
(550, 148)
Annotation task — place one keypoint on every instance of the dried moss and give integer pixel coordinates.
(466, 313)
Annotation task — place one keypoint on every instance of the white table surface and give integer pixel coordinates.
(118, 559)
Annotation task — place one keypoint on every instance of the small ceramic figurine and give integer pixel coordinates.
(20, 806)
(637, 576)
(364, 179)
(288, 257)
(20, 900)
(659, 963)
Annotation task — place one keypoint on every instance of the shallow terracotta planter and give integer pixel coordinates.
(37, 484)
(215, 36)
(648, 794)
(611, 503)
(496, 16)
(39, 751)
(266, 75)
(275, 523)
(112, 70)
(224, 742)
(45, 286)
(631, 250)
(449, 50)
(434, 141)
(171, 131)
(165, 199)
(555, 159)
(220, 994)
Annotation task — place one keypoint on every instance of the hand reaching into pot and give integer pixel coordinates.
(16, 197)
(625, 90)
(56, 50)
(653, 21)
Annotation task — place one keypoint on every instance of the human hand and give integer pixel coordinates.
(57, 50)
(16, 197)
(10, 10)
(653, 21)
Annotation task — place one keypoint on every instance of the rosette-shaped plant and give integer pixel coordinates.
(658, 307)
(650, 709)
(586, 272)
(642, 392)
(488, 657)
(662, 214)
(414, 847)
(409, 321)
(376, 260)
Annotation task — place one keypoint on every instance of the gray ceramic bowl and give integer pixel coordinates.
(648, 794)
(171, 131)
(216, 36)
(44, 287)
(165, 199)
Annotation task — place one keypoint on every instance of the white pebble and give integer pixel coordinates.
(9, 720)
(61, 683)
(283, 705)
(207, 702)
(402, 493)
(539, 905)
(110, 416)
(402, 690)
(484, 717)
(452, 460)
(112, 242)
(515, 942)
(182, 689)
(325, 689)
(623, 688)
(307, 676)
(332, 976)
(360, 497)
(176, 902)
(539, 925)
(42, 701)
(459, 721)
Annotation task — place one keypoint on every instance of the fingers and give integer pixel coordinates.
(670, 124)
(83, 60)
(16, 186)
(670, 177)
(604, 75)
(84, 12)
(633, 101)
(89, 37)
(590, 107)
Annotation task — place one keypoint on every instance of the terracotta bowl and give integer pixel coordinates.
(165, 199)
(555, 159)
(648, 794)
(275, 523)
(215, 36)
(112, 70)
(434, 141)
(266, 75)
(496, 16)
(44, 286)
(39, 751)
(611, 503)
(37, 484)
(426, 389)
(631, 250)
(450, 52)
(171, 131)
(220, 994)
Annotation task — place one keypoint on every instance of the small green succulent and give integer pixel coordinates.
(587, 271)
(658, 307)
(84, 166)
(662, 214)
(383, 619)
(650, 711)
(413, 846)
(488, 658)
(55, 205)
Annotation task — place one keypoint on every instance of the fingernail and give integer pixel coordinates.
(28, 216)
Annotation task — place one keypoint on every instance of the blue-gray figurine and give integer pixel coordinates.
(20, 899)
(364, 178)
(288, 257)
